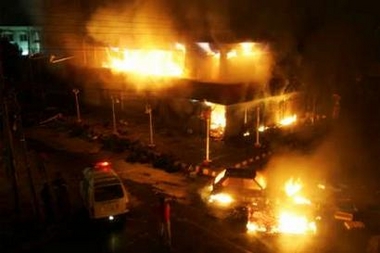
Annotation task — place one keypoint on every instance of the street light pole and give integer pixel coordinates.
(148, 110)
(257, 143)
(245, 116)
(207, 140)
(76, 92)
(206, 115)
(114, 115)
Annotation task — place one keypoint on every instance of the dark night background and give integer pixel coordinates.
(321, 49)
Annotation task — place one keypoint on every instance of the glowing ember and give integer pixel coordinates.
(148, 62)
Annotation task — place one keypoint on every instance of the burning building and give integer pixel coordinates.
(231, 80)
(238, 108)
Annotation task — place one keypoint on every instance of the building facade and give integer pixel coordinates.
(28, 38)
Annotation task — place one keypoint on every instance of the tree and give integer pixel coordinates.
(10, 57)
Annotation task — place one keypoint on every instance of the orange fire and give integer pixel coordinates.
(217, 120)
(147, 62)
(237, 62)
(286, 121)
(291, 216)
(293, 219)
(293, 190)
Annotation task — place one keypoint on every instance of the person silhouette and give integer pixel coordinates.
(61, 194)
(47, 203)
(164, 220)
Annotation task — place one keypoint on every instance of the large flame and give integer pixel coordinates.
(218, 116)
(291, 216)
(291, 220)
(293, 190)
(217, 119)
(239, 62)
(293, 223)
(147, 62)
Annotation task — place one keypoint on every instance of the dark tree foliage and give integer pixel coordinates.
(10, 57)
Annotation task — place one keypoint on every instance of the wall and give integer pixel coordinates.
(26, 37)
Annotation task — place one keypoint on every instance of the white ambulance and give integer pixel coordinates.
(104, 194)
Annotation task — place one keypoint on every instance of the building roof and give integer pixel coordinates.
(220, 93)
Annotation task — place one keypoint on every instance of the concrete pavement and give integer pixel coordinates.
(59, 135)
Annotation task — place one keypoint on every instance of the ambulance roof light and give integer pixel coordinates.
(102, 165)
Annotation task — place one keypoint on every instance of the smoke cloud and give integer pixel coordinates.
(137, 24)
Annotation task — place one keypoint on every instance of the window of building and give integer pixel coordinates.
(23, 37)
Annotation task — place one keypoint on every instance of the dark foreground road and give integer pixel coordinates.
(193, 230)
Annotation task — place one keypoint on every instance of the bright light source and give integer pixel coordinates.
(262, 128)
(290, 223)
(254, 227)
(231, 54)
(206, 47)
(111, 218)
(288, 120)
(221, 198)
(103, 164)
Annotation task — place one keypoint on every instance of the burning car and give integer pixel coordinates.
(232, 190)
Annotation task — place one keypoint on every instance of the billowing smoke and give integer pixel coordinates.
(152, 24)
(137, 24)
(340, 159)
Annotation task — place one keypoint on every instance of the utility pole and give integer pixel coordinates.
(8, 139)
(20, 129)
(206, 115)
(76, 92)
(114, 100)
(148, 110)
(207, 160)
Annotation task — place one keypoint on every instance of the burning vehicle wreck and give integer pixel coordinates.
(233, 190)
(243, 194)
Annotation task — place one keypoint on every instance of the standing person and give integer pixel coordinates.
(164, 219)
(61, 196)
(47, 203)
